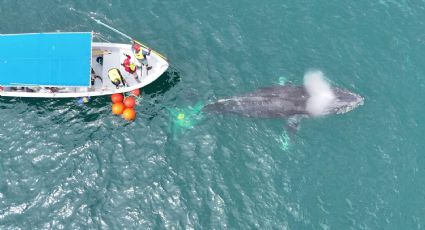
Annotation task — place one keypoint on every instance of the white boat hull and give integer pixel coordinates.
(113, 56)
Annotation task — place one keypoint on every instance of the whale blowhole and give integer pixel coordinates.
(320, 92)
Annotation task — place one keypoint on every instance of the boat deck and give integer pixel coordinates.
(110, 62)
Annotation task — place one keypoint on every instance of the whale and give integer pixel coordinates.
(289, 101)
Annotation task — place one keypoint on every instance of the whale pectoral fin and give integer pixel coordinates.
(293, 124)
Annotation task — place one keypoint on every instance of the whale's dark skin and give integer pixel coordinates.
(286, 101)
(273, 102)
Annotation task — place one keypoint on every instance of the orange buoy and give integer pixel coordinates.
(118, 108)
(117, 97)
(135, 92)
(129, 114)
(129, 102)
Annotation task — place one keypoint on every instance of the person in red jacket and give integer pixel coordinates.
(128, 65)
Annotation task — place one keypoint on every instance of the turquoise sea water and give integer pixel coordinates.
(78, 167)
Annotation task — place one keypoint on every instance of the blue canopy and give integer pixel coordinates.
(49, 59)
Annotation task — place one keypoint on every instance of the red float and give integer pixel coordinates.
(135, 92)
(129, 114)
(118, 108)
(117, 97)
(129, 102)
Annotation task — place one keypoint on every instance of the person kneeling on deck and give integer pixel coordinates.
(128, 65)
(141, 55)
(116, 77)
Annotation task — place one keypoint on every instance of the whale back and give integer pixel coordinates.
(271, 102)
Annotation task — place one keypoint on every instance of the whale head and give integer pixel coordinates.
(344, 101)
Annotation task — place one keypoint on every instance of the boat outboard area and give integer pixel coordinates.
(62, 65)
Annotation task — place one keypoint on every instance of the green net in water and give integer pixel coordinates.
(186, 117)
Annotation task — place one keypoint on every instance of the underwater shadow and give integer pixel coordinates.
(163, 84)
(154, 94)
